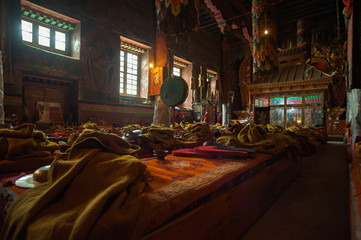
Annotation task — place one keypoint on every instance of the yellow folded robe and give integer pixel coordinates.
(256, 137)
(94, 192)
(21, 148)
(162, 138)
(199, 133)
(23, 131)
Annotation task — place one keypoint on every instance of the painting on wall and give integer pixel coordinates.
(100, 60)
(156, 80)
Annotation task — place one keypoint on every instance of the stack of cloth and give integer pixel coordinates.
(125, 129)
(91, 125)
(259, 138)
(94, 191)
(24, 142)
(160, 138)
(275, 128)
(199, 133)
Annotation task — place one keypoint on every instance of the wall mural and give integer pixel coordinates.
(100, 60)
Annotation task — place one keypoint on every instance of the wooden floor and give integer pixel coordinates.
(315, 205)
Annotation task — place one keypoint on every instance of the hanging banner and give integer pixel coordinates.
(156, 81)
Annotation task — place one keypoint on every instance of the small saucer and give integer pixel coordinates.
(160, 154)
(25, 181)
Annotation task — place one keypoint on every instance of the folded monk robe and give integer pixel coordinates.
(24, 142)
(94, 191)
(255, 137)
(22, 131)
(199, 133)
(162, 138)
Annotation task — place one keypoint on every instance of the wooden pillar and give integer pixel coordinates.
(195, 84)
(161, 111)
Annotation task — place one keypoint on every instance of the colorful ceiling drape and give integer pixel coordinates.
(177, 16)
(222, 22)
(264, 45)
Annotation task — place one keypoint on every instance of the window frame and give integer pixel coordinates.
(35, 37)
(125, 72)
(303, 105)
(180, 71)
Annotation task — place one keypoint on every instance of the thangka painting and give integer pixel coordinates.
(156, 81)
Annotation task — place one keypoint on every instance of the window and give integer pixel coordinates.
(176, 71)
(277, 100)
(294, 115)
(277, 116)
(60, 40)
(45, 37)
(313, 98)
(49, 30)
(303, 108)
(27, 31)
(178, 65)
(128, 73)
(294, 99)
(261, 102)
(313, 115)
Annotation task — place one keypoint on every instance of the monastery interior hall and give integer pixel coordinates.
(180, 119)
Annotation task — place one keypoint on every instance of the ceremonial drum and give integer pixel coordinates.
(174, 91)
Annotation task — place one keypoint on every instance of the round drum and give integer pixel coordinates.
(174, 91)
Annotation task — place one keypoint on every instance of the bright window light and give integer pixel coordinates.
(60, 40)
(176, 71)
(128, 73)
(44, 36)
(27, 31)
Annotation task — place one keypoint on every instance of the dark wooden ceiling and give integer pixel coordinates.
(286, 13)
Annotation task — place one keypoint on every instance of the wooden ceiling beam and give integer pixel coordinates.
(305, 11)
(294, 18)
